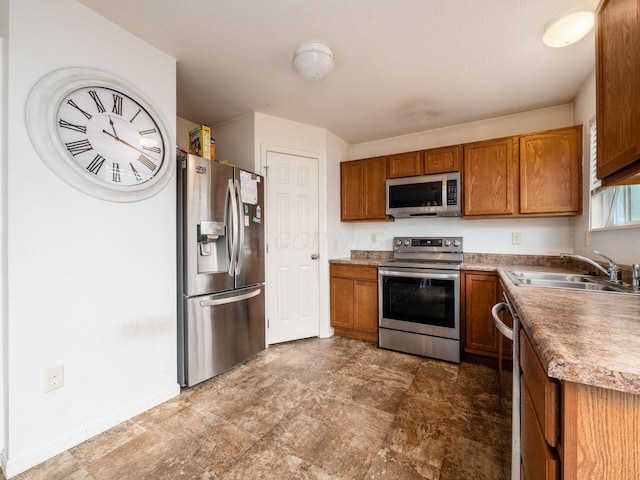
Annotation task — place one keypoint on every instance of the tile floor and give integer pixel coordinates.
(313, 409)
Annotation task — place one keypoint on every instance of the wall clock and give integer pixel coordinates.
(100, 134)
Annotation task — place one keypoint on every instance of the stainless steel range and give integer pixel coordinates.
(419, 297)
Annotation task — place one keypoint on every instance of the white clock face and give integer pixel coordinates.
(109, 136)
(100, 134)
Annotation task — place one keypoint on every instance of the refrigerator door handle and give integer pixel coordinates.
(231, 212)
(237, 298)
(240, 243)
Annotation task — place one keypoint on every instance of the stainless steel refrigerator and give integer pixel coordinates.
(221, 265)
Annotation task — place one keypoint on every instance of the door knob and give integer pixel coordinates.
(315, 256)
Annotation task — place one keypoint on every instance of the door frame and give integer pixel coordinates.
(325, 330)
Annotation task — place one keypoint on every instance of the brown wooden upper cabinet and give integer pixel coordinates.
(407, 164)
(490, 177)
(618, 91)
(434, 160)
(551, 172)
(362, 189)
(539, 174)
(442, 160)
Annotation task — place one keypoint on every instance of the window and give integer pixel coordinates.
(611, 206)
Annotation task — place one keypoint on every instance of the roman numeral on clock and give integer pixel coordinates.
(78, 147)
(117, 104)
(115, 172)
(148, 132)
(96, 164)
(96, 99)
(134, 117)
(151, 149)
(71, 126)
(73, 104)
(146, 161)
(135, 172)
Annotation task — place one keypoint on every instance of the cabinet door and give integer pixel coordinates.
(481, 293)
(341, 302)
(374, 198)
(539, 460)
(365, 293)
(405, 164)
(443, 160)
(351, 190)
(551, 172)
(618, 87)
(490, 177)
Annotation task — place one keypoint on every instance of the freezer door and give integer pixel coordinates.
(203, 226)
(219, 332)
(251, 259)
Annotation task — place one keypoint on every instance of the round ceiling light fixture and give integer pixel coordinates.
(568, 27)
(313, 61)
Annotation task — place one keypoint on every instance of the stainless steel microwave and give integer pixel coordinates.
(427, 195)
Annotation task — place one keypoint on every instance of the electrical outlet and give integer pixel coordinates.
(53, 378)
(515, 238)
(374, 238)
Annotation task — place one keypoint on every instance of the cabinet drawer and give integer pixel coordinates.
(363, 272)
(539, 461)
(543, 391)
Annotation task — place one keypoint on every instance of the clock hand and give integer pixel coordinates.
(113, 128)
(122, 141)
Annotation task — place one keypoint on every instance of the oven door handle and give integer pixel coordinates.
(409, 273)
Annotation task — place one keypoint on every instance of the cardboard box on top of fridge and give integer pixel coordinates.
(200, 141)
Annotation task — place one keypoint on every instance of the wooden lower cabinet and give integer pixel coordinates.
(480, 292)
(354, 301)
(596, 430)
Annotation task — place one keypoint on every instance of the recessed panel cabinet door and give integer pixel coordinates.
(442, 160)
(351, 190)
(491, 177)
(618, 87)
(481, 293)
(551, 172)
(375, 172)
(405, 164)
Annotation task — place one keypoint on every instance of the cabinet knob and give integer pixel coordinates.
(315, 256)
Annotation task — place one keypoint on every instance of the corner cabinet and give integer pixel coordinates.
(362, 189)
(480, 292)
(354, 301)
(618, 91)
(533, 175)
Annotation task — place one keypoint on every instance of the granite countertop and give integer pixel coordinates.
(584, 337)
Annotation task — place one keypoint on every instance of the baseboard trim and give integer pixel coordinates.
(14, 466)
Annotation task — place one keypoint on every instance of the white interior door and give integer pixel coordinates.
(292, 239)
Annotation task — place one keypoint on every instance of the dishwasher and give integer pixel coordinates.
(513, 334)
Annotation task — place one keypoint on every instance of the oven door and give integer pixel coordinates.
(420, 300)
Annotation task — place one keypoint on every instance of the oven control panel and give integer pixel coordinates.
(427, 244)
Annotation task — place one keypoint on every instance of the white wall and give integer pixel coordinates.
(623, 245)
(542, 236)
(91, 284)
(235, 142)
(4, 30)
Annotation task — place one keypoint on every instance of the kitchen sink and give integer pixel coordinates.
(565, 280)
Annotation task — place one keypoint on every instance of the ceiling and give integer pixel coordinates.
(401, 66)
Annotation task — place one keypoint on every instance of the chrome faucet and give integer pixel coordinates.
(613, 271)
(635, 280)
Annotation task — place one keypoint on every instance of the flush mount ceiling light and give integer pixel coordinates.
(313, 61)
(568, 27)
